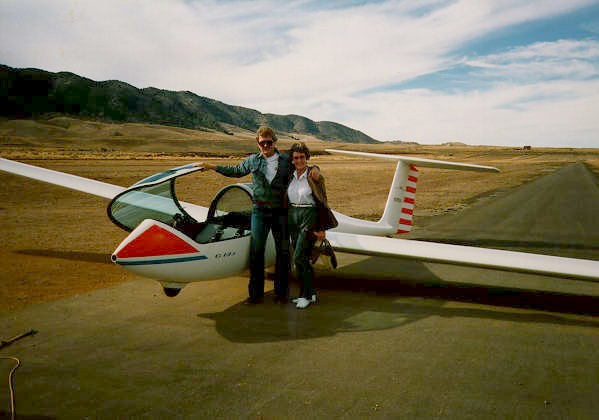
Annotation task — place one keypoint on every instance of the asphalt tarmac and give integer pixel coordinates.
(413, 341)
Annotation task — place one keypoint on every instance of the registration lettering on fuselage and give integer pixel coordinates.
(225, 254)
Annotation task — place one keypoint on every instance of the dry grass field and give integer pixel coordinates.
(63, 238)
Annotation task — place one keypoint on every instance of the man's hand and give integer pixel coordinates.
(314, 173)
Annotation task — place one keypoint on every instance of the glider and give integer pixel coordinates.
(176, 242)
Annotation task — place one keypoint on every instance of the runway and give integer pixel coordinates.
(554, 214)
(415, 341)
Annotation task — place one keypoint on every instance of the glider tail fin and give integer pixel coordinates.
(399, 209)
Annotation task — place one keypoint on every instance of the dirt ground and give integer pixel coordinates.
(57, 242)
(445, 341)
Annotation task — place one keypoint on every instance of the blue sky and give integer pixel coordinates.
(481, 72)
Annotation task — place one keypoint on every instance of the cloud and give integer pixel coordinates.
(504, 115)
(543, 60)
(540, 94)
(338, 61)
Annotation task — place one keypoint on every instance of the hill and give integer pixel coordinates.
(34, 93)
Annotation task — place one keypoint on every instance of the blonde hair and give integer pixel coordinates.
(266, 131)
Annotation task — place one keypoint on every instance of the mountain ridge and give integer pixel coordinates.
(31, 92)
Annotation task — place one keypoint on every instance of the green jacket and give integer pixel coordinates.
(265, 194)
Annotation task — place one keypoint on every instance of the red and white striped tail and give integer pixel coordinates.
(399, 209)
(409, 199)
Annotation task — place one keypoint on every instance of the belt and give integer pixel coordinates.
(302, 205)
(263, 203)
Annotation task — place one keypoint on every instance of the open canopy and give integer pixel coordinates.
(151, 198)
(155, 198)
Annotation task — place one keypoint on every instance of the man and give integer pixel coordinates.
(271, 171)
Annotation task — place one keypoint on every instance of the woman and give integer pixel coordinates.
(309, 217)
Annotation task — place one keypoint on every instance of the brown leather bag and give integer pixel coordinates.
(323, 257)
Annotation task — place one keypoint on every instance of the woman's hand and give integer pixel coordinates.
(320, 235)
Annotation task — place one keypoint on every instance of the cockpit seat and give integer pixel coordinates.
(210, 233)
(187, 225)
(213, 232)
(228, 226)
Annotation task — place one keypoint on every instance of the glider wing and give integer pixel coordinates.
(73, 182)
(465, 256)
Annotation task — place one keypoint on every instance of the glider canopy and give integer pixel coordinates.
(155, 198)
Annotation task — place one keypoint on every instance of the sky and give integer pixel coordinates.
(481, 72)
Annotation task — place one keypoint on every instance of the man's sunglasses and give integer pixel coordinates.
(266, 143)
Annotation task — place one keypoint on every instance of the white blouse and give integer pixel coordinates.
(299, 191)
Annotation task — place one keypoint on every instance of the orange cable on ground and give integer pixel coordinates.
(13, 370)
(11, 384)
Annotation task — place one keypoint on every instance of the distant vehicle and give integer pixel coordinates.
(177, 243)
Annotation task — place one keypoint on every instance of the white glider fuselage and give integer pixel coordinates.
(159, 251)
(211, 246)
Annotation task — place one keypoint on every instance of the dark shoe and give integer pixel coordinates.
(253, 301)
(281, 299)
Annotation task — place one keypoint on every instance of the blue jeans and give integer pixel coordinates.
(263, 220)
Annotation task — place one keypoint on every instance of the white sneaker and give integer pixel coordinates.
(312, 300)
(302, 303)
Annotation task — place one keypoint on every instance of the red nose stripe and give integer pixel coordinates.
(153, 242)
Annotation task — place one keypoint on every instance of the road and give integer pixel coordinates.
(440, 342)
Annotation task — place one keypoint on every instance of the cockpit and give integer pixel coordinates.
(228, 217)
(155, 198)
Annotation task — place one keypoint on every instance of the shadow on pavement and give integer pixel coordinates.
(349, 303)
(94, 257)
(6, 415)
